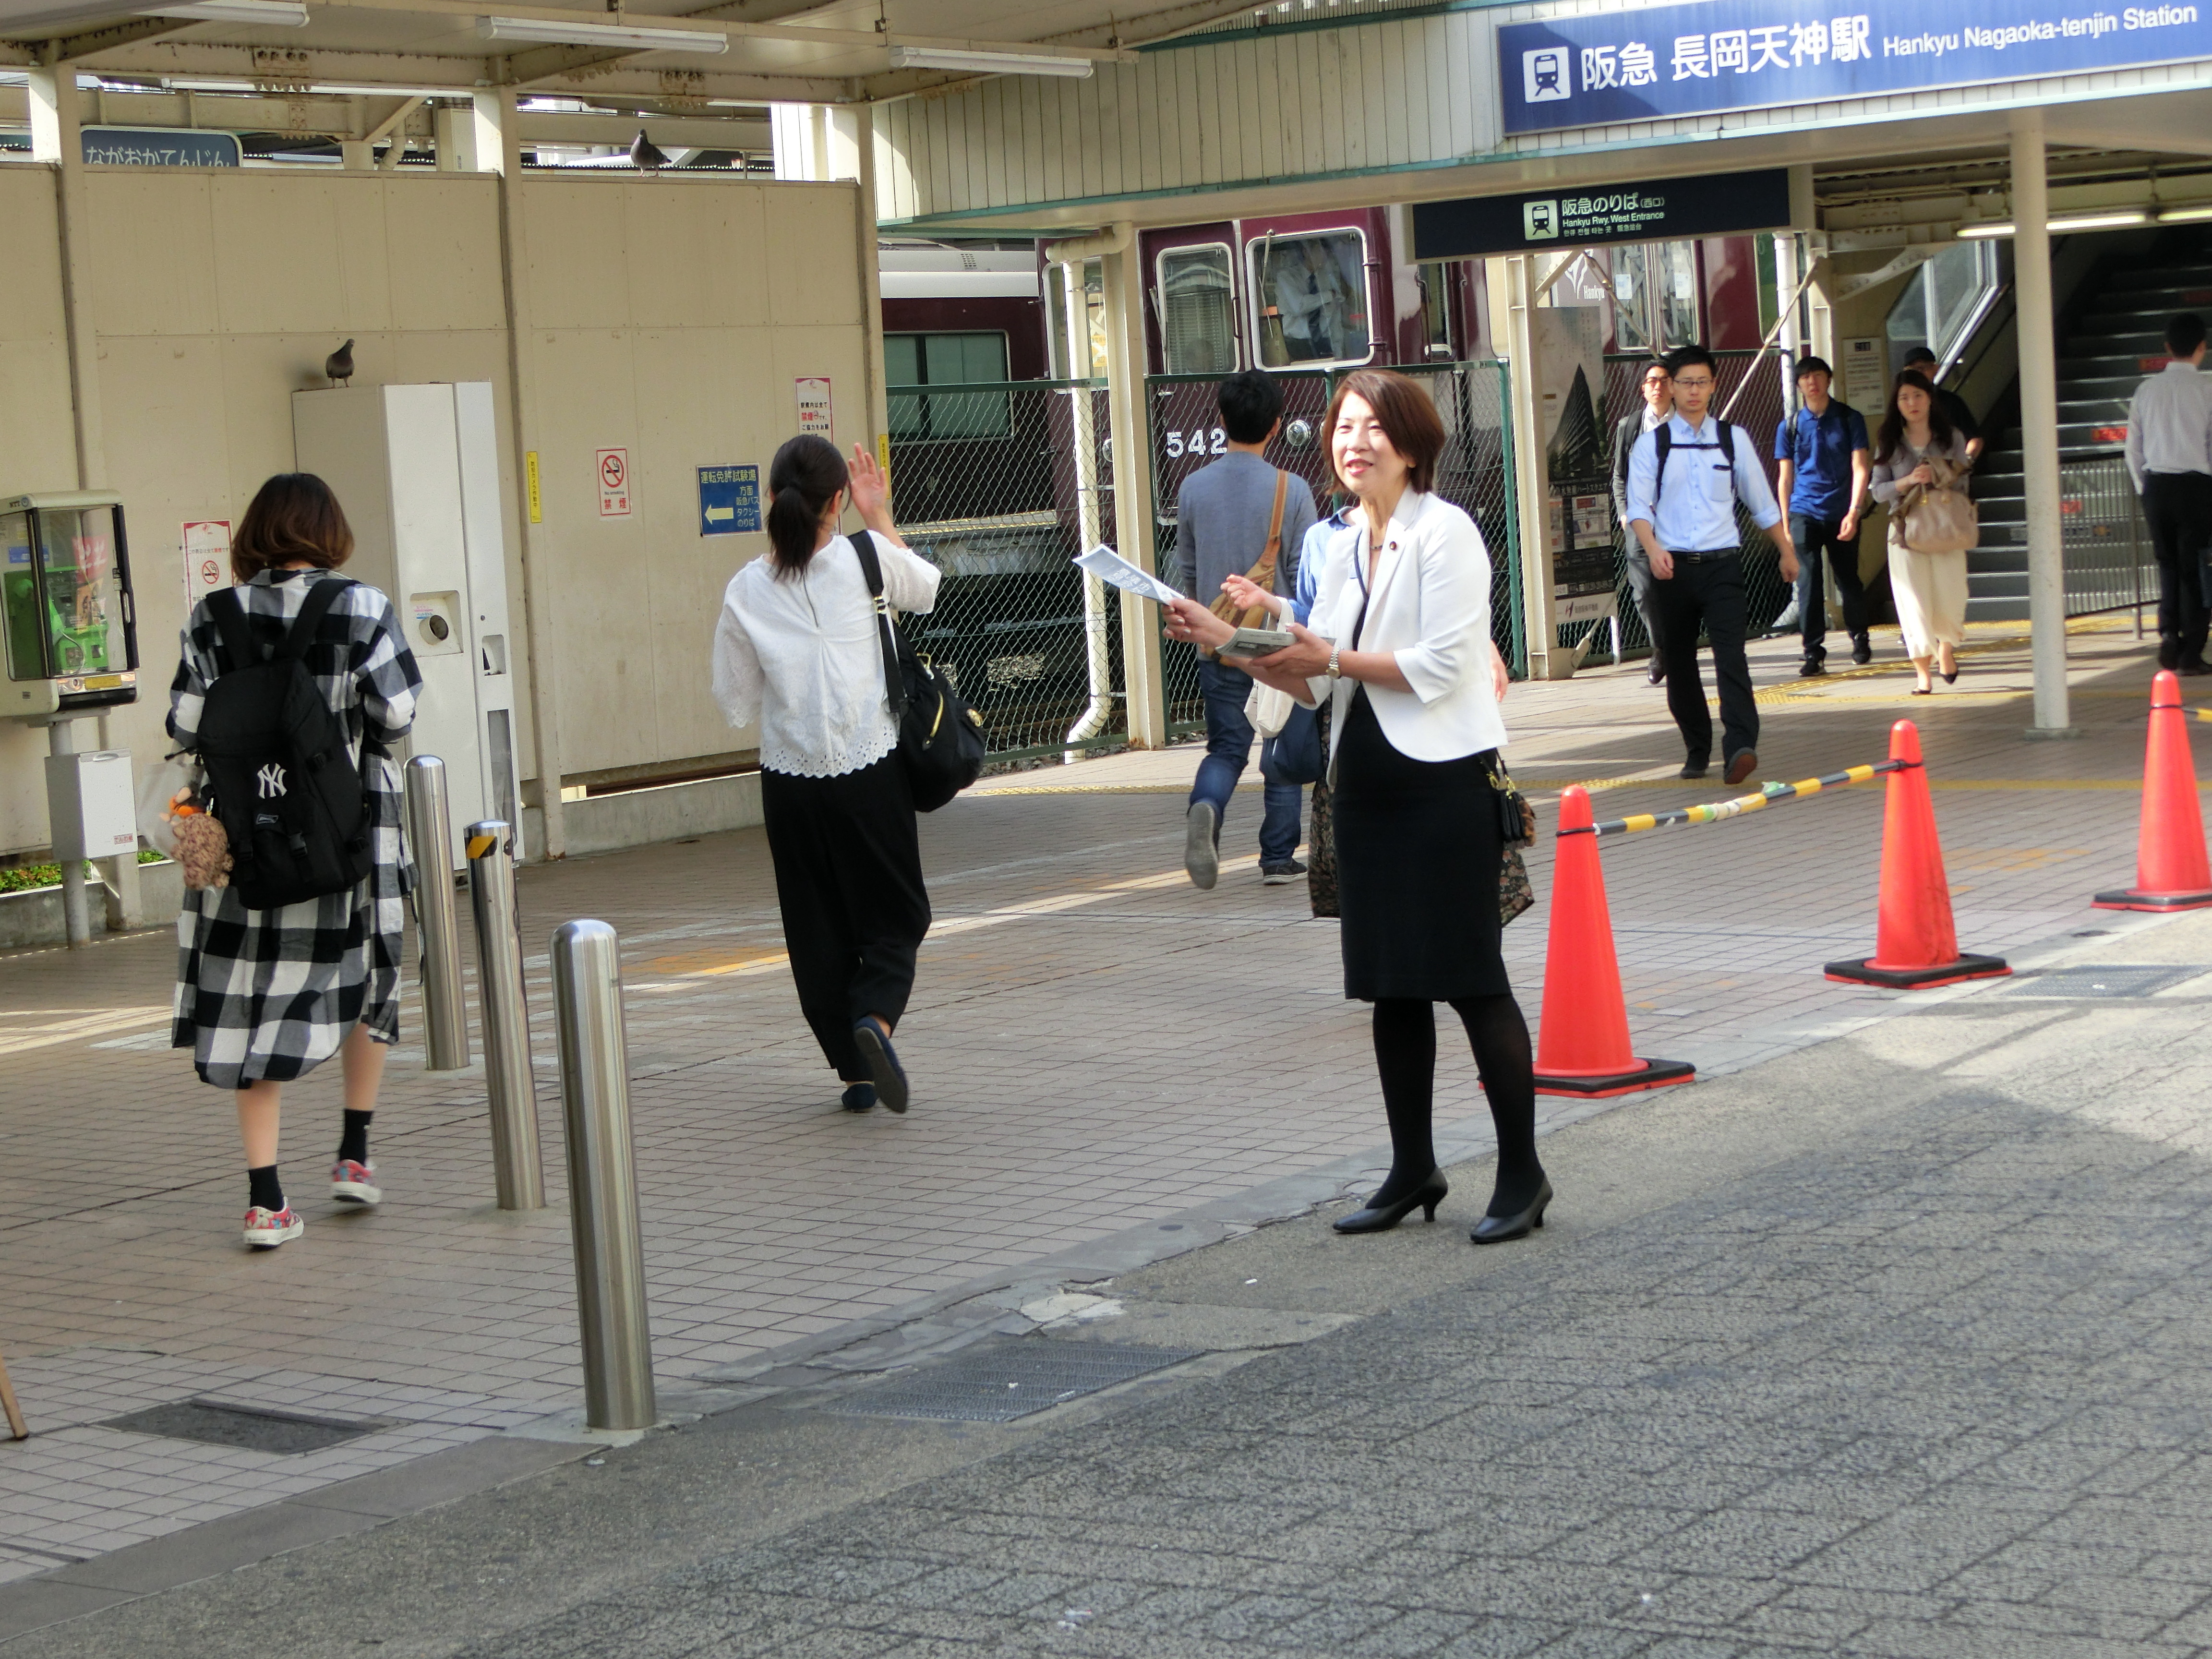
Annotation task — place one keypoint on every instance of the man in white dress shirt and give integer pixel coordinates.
(1685, 478)
(2170, 458)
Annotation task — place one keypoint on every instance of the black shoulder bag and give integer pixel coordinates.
(940, 742)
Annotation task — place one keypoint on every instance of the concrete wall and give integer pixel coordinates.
(670, 318)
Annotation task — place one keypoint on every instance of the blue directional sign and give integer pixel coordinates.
(158, 147)
(1598, 68)
(729, 500)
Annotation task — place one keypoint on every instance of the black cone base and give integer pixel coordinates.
(1647, 1075)
(1918, 979)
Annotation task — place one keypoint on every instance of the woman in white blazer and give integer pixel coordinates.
(1400, 642)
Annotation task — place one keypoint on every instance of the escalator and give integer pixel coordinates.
(2110, 339)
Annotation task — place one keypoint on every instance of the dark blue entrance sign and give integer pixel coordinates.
(158, 147)
(1605, 67)
(729, 500)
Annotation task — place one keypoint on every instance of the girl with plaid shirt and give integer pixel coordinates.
(264, 996)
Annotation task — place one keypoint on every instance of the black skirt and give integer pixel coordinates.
(1417, 857)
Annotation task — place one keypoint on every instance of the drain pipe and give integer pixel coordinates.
(1070, 257)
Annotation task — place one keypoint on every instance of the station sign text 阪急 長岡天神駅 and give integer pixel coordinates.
(1664, 210)
(1601, 68)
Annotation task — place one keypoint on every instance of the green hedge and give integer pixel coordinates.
(33, 876)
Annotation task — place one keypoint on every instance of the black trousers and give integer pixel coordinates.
(1706, 590)
(2177, 506)
(849, 880)
(1814, 537)
(1639, 589)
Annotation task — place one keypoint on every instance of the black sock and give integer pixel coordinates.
(1406, 1059)
(1500, 1038)
(267, 1193)
(353, 1140)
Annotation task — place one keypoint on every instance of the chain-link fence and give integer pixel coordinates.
(2109, 562)
(1755, 384)
(1001, 486)
(1475, 473)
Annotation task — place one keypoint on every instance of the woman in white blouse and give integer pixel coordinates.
(1400, 642)
(797, 650)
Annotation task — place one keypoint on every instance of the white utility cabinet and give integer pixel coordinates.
(416, 469)
(89, 800)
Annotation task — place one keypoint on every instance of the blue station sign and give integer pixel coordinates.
(729, 500)
(1605, 67)
(158, 147)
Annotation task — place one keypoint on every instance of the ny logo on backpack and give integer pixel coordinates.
(281, 775)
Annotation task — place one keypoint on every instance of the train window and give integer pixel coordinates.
(1310, 299)
(1656, 285)
(1436, 307)
(912, 362)
(1198, 311)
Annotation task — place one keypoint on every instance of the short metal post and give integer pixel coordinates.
(517, 1171)
(76, 909)
(430, 838)
(602, 1178)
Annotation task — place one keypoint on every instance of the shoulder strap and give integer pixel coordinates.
(1262, 575)
(321, 596)
(229, 615)
(871, 571)
(1663, 439)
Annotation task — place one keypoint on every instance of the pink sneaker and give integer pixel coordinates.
(266, 1229)
(353, 1183)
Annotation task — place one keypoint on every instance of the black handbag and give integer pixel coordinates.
(940, 742)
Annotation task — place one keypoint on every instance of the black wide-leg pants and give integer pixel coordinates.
(849, 880)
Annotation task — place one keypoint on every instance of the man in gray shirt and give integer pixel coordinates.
(2170, 456)
(1223, 513)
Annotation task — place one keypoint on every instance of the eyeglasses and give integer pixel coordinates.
(1686, 383)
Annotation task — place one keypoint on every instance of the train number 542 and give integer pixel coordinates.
(1199, 442)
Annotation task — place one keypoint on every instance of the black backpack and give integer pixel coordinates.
(280, 774)
(1663, 439)
(940, 745)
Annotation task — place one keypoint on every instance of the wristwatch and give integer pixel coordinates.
(1334, 671)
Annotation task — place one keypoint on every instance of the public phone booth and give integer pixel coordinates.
(72, 636)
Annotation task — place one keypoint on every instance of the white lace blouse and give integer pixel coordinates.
(799, 655)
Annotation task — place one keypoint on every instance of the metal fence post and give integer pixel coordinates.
(602, 1178)
(429, 835)
(518, 1168)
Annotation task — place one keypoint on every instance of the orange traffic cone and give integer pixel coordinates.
(1582, 1046)
(2170, 873)
(1915, 948)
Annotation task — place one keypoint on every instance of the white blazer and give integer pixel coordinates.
(1430, 607)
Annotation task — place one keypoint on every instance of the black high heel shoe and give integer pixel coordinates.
(1498, 1228)
(1381, 1217)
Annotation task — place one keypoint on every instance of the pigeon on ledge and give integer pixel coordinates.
(338, 366)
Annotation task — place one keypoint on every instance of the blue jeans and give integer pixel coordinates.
(1228, 745)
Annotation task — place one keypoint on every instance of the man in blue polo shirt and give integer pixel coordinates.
(1822, 449)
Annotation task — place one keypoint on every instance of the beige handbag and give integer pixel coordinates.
(1940, 517)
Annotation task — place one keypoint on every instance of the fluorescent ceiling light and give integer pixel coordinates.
(990, 63)
(269, 13)
(602, 34)
(2114, 221)
(2187, 216)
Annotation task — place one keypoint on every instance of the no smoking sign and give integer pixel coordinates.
(613, 468)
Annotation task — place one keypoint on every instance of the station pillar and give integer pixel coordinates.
(1512, 305)
(2039, 423)
(486, 138)
(1128, 416)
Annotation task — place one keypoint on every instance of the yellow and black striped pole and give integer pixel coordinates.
(1767, 796)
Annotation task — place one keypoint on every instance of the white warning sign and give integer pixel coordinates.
(207, 558)
(814, 413)
(612, 467)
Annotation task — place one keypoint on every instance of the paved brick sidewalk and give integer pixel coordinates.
(1084, 1038)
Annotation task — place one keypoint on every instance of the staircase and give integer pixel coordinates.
(2112, 344)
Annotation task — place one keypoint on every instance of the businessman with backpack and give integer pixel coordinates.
(1686, 477)
(291, 686)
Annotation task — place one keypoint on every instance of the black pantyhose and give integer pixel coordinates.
(1405, 1056)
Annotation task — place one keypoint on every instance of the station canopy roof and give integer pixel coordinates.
(748, 51)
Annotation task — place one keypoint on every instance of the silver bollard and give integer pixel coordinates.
(602, 1178)
(430, 837)
(518, 1170)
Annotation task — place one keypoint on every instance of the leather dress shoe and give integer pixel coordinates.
(1498, 1228)
(1381, 1217)
(1742, 765)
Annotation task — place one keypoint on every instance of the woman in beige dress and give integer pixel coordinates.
(1930, 588)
